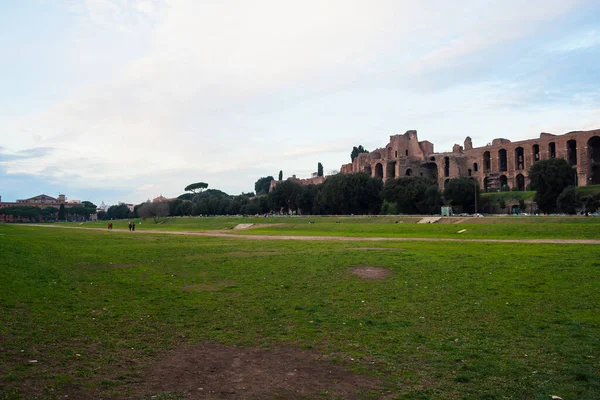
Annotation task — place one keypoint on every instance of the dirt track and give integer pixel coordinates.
(332, 238)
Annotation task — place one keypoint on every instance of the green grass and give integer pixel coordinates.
(453, 320)
(497, 197)
(512, 227)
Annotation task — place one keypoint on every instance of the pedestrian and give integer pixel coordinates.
(129, 226)
(133, 226)
(108, 226)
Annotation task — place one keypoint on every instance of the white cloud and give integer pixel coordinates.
(177, 90)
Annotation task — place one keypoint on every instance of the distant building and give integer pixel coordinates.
(313, 180)
(40, 201)
(129, 205)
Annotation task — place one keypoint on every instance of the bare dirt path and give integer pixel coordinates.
(331, 238)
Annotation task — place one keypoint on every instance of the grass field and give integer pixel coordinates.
(386, 226)
(98, 310)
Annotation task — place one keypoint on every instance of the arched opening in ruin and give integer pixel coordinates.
(519, 158)
(368, 170)
(446, 166)
(594, 160)
(430, 171)
(551, 150)
(391, 170)
(502, 161)
(396, 156)
(408, 172)
(572, 152)
(469, 171)
(487, 161)
(475, 167)
(379, 171)
(503, 180)
(535, 149)
(432, 159)
(520, 182)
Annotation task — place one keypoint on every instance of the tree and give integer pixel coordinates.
(462, 192)
(549, 178)
(61, 212)
(118, 212)
(154, 210)
(284, 195)
(412, 195)
(89, 204)
(568, 200)
(262, 185)
(319, 169)
(351, 194)
(196, 188)
(280, 175)
(356, 151)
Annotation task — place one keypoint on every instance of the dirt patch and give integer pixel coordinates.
(367, 272)
(375, 248)
(110, 266)
(222, 372)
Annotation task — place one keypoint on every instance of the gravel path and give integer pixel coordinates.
(332, 238)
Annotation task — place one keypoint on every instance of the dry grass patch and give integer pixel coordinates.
(368, 272)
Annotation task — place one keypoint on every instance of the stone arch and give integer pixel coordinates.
(502, 160)
(520, 182)
(503, 180)
(593, 146)
(475, 167)
(408, 172)
(551, 150)
(469, 172)
(519, 158)
(535, 149)
(446, 167)
(379, 171)
(572, 152)
(430, 171)
(391, 170)
(487, 161)
(432, 159)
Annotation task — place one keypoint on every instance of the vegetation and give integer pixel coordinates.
(413, 195)
(356, 151)
(319, 169)
(462, 192)
(262, 185)
(568, 201)
(154, 209)
(549, 178)
(96, 309)
(280, 175)
(196, 188)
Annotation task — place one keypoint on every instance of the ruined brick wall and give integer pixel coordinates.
(501, 163)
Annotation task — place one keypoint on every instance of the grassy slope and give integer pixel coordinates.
(454, 320)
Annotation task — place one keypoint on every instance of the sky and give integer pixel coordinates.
(125, 100)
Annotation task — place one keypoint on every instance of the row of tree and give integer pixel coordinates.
(80, 212)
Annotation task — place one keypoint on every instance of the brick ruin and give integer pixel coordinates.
(501, 163)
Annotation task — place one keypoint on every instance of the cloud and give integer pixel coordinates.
(175, 91)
